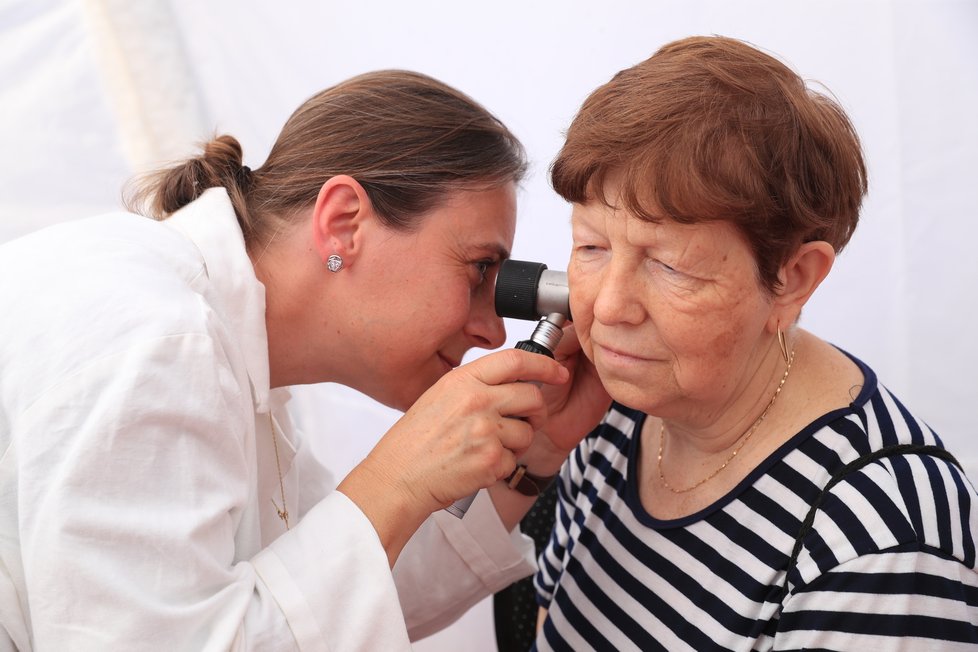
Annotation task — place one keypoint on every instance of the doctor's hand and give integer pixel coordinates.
(463, 434)
(574, 408)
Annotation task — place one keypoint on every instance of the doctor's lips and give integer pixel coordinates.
(450, 362)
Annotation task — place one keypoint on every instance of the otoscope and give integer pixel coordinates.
(530, 291)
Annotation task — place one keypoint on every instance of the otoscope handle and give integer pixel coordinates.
(460, 506)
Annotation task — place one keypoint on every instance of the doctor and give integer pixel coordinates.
(153, 492)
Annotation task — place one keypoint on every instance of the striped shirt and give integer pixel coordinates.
(889, 562)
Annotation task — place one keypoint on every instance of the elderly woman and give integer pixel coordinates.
(752, 487)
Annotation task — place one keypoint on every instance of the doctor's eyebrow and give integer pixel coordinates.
(500, 252)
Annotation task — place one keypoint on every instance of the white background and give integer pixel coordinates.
(92, 91)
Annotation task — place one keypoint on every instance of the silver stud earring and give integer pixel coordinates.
(334, 263)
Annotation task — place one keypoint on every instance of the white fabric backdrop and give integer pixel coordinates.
(92, 91)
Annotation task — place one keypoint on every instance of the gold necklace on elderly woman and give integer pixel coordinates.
(743, 439)
(283, 513)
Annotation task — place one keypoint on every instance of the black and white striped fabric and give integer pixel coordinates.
(887, 564)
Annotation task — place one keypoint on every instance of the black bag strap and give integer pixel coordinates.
(855, 465)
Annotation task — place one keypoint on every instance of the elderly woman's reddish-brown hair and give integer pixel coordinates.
(710, 128)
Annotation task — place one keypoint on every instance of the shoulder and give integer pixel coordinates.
(116, 264)
(876, 479)
(892, 490)
(896, 532)
(906, 494)
(95, 287)
(119, 249)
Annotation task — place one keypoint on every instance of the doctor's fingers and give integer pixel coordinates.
(569, 345)
(515, 435)
(522, 401)
(511, 365)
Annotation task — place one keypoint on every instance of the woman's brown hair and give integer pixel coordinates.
(407, 138)
(710, 128)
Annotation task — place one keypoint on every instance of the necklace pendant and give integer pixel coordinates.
(283, 513)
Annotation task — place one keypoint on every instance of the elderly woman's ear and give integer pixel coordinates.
(800, 276)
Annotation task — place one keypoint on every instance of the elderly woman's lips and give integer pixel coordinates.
(618, 354)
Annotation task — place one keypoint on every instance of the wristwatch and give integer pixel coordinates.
(527, 483)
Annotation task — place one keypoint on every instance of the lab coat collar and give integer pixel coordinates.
(211, 224)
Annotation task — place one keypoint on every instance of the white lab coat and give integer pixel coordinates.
(137, 471)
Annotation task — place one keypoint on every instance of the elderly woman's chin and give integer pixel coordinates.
(628, 389)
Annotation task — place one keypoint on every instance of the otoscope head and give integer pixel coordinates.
(528, 290)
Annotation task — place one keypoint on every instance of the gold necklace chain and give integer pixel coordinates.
(283, 513)
(743, 439)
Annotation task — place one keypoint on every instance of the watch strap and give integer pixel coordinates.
(526, 483)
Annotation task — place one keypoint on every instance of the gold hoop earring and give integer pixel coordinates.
(782, 344)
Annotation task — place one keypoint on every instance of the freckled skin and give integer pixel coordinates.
(671, 315)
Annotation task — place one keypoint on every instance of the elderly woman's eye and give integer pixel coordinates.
(588, 249)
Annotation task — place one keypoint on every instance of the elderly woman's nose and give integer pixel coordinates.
(615, 298)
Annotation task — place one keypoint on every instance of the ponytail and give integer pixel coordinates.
(161, 193)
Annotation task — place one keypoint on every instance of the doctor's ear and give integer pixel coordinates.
(800, 277)
(341, 208)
